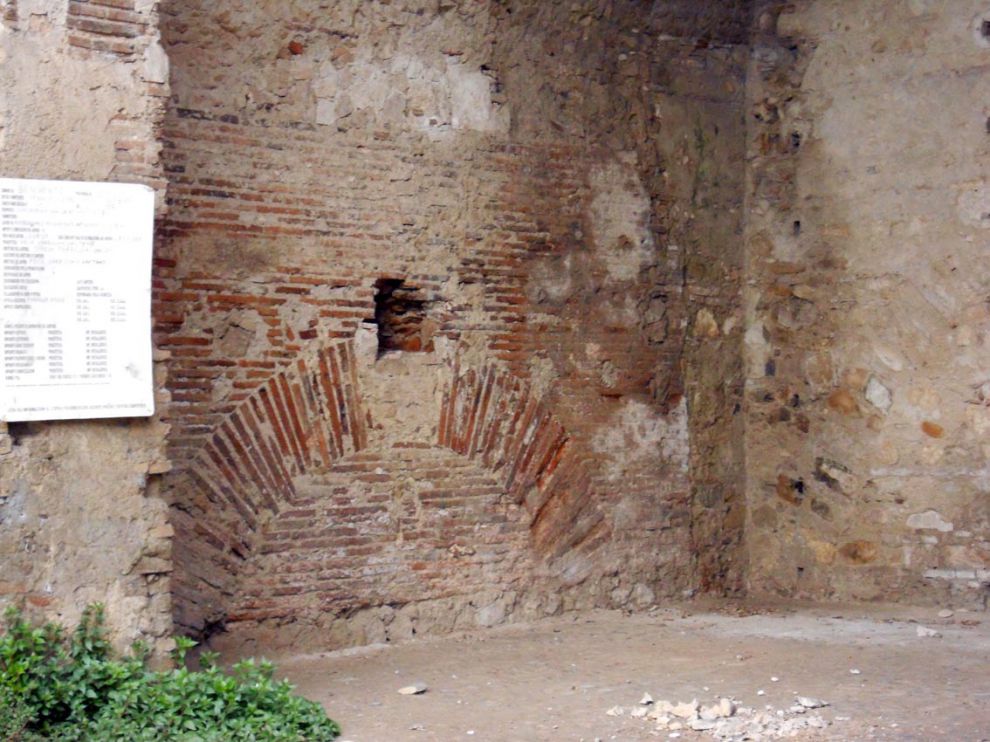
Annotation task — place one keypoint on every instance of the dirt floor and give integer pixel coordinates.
(558, 679)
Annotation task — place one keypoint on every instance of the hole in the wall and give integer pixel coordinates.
(400, 316)
(212, 628)
(985, 28)
(19, 431)
(988, 125)
(795, 140)
(796, 227)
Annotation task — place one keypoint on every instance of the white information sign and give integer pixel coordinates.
(75, 300)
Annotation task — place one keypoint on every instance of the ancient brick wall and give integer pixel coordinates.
(867, 314)
(474, 311)
(81, 521)
(504, 202)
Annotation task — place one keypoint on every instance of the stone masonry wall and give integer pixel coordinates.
(868, 319)
(515, 186)
(82, 89)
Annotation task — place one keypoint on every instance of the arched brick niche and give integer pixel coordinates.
(523, 249)
(302, 509)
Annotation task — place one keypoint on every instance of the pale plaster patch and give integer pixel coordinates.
(620, 211)
(637, 433)
(433, 94)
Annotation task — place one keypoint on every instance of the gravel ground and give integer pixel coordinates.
(556, 679)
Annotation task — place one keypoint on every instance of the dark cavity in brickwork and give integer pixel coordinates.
(401, 317)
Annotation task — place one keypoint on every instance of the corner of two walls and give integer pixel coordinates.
(81, 521)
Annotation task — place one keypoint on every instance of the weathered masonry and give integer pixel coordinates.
(468, 312)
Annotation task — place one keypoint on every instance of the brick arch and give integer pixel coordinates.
(308, 418)
(307, 415)
(490, 415)
(500, 500)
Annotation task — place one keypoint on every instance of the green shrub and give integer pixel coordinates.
(73, 688)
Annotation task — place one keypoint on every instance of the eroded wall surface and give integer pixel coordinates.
(82, 86)
(506, 192)
(868, 319)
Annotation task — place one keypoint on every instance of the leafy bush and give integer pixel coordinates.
(73, 688)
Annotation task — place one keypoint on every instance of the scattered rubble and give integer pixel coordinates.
(725, 720)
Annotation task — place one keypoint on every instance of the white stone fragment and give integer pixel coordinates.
(646, 700)
(946, 613)
(927, 633)
(878, 395)
(615, 711)
(854, 671)
(701, 725)
(811, 703)
(930, 520)
(686, 710)
(413, 690)
(639, 712)
(662, 707)
(721, 710)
